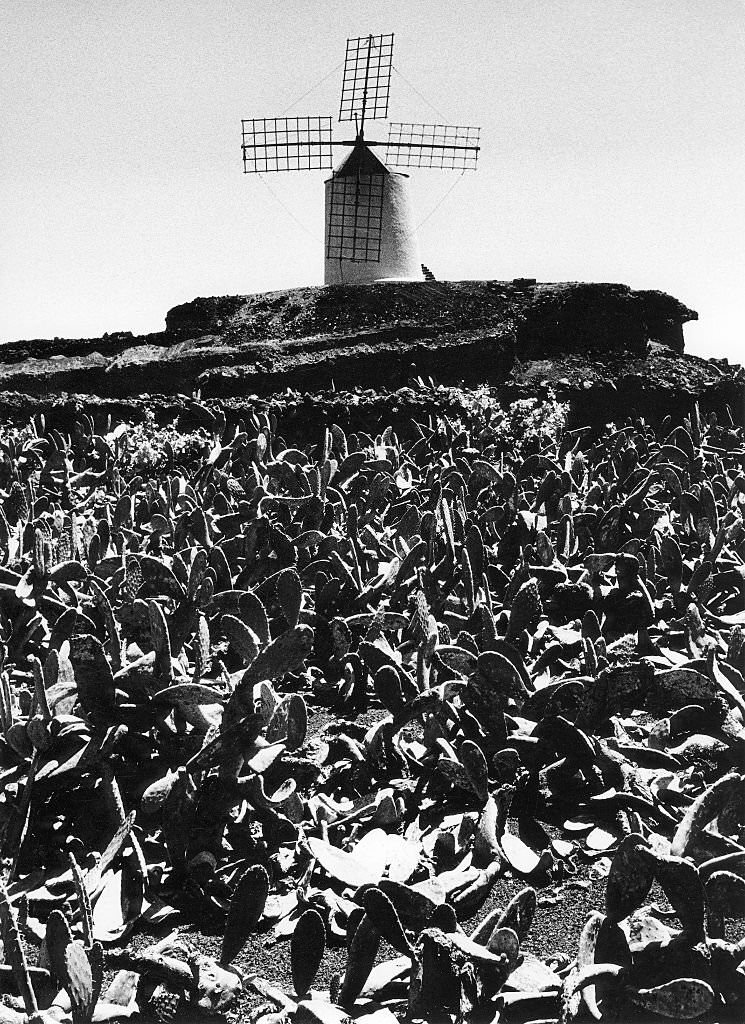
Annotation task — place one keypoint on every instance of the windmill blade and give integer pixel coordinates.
(449, 146)
(367, 78)
(286, 144)
(354, 226)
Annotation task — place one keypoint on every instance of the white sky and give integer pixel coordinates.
(613, 149)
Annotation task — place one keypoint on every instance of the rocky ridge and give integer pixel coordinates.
(345, 350)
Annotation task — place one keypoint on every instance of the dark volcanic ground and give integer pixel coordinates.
(314, 355)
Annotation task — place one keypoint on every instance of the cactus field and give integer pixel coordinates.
(441, 724)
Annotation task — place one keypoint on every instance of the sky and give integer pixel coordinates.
(613, 149)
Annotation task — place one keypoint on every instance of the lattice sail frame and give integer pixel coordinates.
(448, 146)
(355, 218)
(286, 144)
(366, 84)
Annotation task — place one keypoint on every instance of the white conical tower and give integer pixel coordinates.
(370, 229)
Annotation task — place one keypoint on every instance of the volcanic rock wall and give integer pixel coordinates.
(601, 344)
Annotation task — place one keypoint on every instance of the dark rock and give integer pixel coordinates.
(604, 348)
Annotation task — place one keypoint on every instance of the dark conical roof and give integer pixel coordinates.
(361, 160)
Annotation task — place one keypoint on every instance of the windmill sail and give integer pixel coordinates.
(286, 144)
(367, 78)
(355, 219)
(355, 208)
(448, 146)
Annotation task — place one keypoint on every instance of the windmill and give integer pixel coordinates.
(369, 226)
